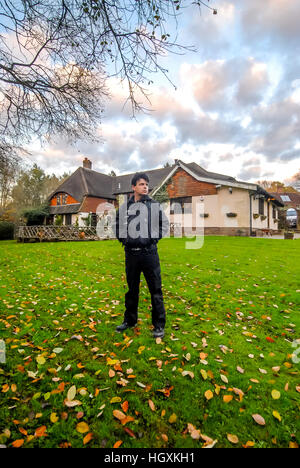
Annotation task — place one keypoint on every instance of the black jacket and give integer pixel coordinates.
(141, 224)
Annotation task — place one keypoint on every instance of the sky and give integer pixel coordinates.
(235, 109)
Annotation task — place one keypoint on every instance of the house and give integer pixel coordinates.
(291, 210)
(231, 207)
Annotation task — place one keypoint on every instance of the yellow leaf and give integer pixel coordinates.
(275, 394)
(116, 399)
(208, 394)
(141, 349)
(82, 427)
(276, 415)
(203, 373)
(112, 362)
(40, 360)
(54, 418)
(71, 393)
(172, 418)
(249, 443)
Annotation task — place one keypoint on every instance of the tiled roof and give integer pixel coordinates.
(293, 196)
(65, 209)
(86, 182)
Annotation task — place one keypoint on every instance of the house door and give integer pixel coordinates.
(68, 219)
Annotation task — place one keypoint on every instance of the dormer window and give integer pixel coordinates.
(61, 199)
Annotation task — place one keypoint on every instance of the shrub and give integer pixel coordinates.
(6, 230)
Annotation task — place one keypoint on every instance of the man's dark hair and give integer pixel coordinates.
(137, 176)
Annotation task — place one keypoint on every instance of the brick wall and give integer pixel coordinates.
(184, 185)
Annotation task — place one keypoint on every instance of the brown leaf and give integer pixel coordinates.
(259, 419)
(151, 405)
(119, 415)
(233, 438)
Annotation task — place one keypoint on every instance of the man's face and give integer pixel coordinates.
(141, 188)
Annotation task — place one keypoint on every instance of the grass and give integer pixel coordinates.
(232, 318)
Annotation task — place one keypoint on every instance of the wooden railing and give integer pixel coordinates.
(55, 233)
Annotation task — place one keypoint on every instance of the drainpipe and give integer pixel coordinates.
(250, 209)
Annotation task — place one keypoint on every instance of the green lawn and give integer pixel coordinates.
(232, 318)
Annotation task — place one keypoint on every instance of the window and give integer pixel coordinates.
(58, 200)
(181, 205)
(285, 198)
(64, 198)
(261, 205)
(273, 212)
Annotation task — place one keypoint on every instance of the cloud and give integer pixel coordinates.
(248, 173)
(271, 23)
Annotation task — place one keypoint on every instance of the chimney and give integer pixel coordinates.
(87, 163)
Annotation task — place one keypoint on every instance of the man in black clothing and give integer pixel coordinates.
(140, 224)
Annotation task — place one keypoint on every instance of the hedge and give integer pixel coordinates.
(6, 230)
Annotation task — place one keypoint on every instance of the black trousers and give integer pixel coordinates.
(146, 262)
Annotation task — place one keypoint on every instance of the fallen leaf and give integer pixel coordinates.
(82, 427)
(125, 406)
(172, 418)
(276, 415)
(18, 443)
(275, 394)
(249, 443)
(71, 393)
(259, 419)
(54, 418)
(119, 415)
(233, 438)
(195, 433)
(224, 378)
(116, 399)
(208, 394)
(41, 431)
(118, 443)
(227, 398)
(151, 405)
(87, 438)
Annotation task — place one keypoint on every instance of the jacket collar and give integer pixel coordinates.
(142, 199)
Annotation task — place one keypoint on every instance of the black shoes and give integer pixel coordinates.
(158, 332)
(124, 326)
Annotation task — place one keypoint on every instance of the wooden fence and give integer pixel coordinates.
(55, 233)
